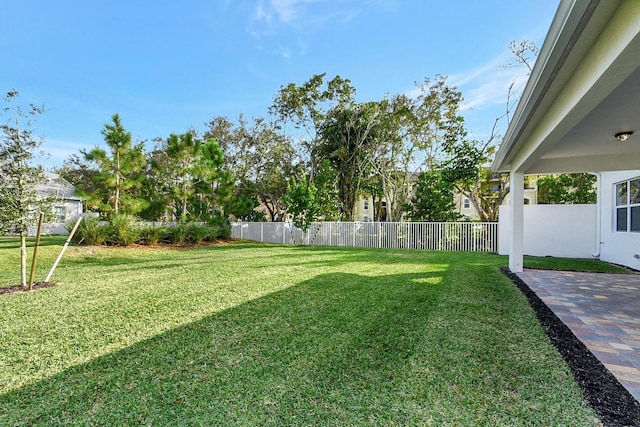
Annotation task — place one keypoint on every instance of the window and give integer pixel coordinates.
(466, 203)
(366, 205)
(59, 213)
(365, 218)
(627, 213)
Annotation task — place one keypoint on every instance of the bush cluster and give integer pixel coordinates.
(126, 230)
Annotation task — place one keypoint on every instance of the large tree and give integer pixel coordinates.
(305, 107)
(120, 170)
(415, 131)
(214, 187)
(260, 158)
(19, 201)
(183, 167)
(348, 138)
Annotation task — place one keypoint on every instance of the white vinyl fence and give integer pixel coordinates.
(446, 236)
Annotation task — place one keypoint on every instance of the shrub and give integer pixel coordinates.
(124, 230)
(198, 233)
(222, 228)
(90, 232)
(152, 235)
(178, 234)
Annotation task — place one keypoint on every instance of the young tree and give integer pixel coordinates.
(18, 196)
(301, 203)
(327, 199)
(120, 170)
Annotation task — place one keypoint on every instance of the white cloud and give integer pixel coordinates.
(488, 84)
(275, 18)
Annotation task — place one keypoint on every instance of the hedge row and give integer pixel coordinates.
(125, 230)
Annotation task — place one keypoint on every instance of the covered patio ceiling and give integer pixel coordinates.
(583, 90)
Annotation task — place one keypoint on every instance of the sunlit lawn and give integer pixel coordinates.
(248, 334)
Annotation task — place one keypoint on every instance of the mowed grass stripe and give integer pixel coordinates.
(252, 334)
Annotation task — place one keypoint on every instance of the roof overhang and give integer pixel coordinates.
(583, 89)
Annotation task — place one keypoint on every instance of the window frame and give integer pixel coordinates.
(626, 204)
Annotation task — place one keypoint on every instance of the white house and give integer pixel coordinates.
(66, 204)
(578, 113)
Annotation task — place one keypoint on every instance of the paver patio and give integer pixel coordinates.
(602, 310)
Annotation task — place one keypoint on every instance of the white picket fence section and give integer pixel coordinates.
(445, 236)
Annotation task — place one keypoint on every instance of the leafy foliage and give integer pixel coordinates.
(433, 200)
(578, 188)
(152, 235)
(261, 158)
(91, 231)
(119, 170)
(416, 132)
(349, 137)
(19, 200)
(124, 230)
(300, 202)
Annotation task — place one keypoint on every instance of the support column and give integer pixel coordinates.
(516, 253)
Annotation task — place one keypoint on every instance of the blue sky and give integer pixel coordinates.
(167, 66)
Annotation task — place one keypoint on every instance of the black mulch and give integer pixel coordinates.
(602, 391)
(19, 288)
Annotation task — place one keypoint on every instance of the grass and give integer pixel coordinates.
(250, 334)
(573, 264)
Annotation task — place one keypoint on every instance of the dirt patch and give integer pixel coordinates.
(19, 288)
(602, 390)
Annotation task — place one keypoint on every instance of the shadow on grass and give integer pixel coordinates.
(329, 350)
(337, 349)
(14, 242)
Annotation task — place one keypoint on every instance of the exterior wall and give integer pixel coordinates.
(567, 231)
(362, 214)
(469, 212)
(67, 205)
(616, 247)
(530, 196)
(71, 209)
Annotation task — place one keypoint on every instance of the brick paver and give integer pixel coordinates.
(602, 310)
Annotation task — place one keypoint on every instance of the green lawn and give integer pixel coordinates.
(250, 334)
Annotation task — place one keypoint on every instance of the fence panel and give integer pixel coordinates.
(445, 236)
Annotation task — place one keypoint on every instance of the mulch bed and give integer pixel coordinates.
(19, 288)
(602, 391)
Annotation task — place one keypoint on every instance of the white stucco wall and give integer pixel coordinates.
(617, 247)
(566, 231)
